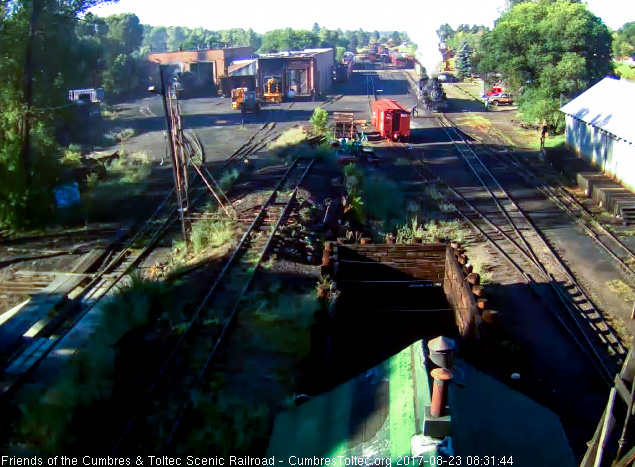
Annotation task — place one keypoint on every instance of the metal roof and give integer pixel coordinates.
(376, 415)
(390, 104)
(608, 106)
(242, 67)
(295, 53)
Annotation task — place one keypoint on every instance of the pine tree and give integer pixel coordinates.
(464, 61)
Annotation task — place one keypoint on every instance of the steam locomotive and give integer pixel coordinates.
(431, 94)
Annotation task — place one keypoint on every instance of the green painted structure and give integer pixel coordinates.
(371, 420)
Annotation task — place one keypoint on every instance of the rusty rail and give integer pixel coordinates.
(238, 251)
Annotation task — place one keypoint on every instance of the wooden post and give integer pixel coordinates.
(627, 459)
(606, 428)
(629, 414)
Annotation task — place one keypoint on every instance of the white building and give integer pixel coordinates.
(600, 128)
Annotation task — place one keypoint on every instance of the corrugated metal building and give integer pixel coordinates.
(599, 128)
(208, 65)
(301, 71)
(240, 74)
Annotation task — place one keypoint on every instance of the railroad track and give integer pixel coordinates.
(26, 355)
(163, 409)
(266, 134)
(333, 99)
(586, 315)
(22, 357)
(516, 238)
(603, 237)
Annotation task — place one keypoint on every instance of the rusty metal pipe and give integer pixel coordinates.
(439, 401)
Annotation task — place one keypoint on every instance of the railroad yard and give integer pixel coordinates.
(198, 350)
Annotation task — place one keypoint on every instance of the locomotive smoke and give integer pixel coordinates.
(428, 49)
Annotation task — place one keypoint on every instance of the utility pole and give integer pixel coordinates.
(179, 169)
(28, 95)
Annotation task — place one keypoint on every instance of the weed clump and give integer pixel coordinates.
(291, 137)
(432, 229)
(130, 167)
(211, 234)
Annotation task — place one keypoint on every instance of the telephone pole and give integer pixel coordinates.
(177, 155)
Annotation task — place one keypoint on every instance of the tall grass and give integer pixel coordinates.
(452, 230)
(227, 421)
(228, 179)
(291, 137)
(46, 423)
(211, 234)
(130, 167)
(383, 200)
(72, 156)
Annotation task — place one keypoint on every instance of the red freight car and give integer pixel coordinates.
(397, 59)
(391, 119)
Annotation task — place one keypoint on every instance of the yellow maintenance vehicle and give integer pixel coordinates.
(273, 89)
(245, 100)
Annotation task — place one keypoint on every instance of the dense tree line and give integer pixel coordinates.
(161, 38)
(546, 51)
(624, 41)
(466, 37)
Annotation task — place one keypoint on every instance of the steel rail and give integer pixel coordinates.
(555, 194)
(615, 346)
(130, 422)
(503, 211)
(88, 291)
(566, 301)
(80, 301)
(596, 360)
(234, 311)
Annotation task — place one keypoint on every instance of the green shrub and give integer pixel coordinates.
(228, 179)
(72, 156)
(21, 205)
(319, 120)
(383, 200)
(131, 167)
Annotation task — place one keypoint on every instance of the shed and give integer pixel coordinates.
(599, 128)
(207, 65)
(302, 72)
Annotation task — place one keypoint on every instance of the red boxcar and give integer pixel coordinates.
(391, 119)
(397, 60)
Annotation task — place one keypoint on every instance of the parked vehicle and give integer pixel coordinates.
(273, 89)
(500, 99)
(245, 100)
